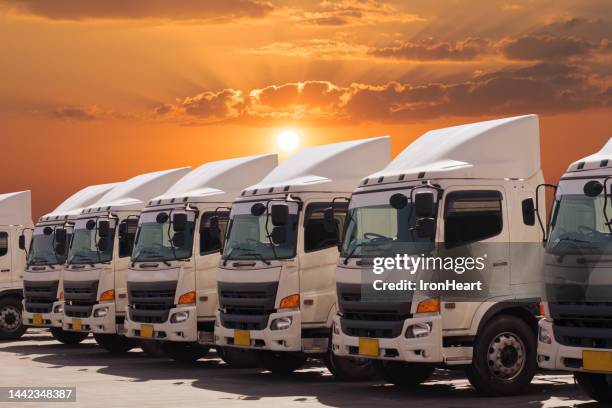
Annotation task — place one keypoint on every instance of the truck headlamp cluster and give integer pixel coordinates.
(179, 317)
(58, 309)
(282, 323)
(418, 330)
(336, 329)
(544, 335)
(102, 312)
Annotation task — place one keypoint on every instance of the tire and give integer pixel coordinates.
(406, 374)
(281, 362)
(596, 386)
(114, 343)
(184, 352)
(67, 337)
(11, 324)
(504, 360)
(239, 358)
(352, 369)
(152, 348)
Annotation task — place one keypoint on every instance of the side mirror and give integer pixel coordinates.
(593, 188)
(329, 221)
(178, 239)
(179, 222)
(398, 201)
(104, 228)
(22, 242)
(258, 209)
(60, 236)
(528, 211)
(280, 215)
(279, 235)
(48, 231)
(123, 229)
(425, 227)
(102, 244)
(161, 218)
(90, 225)
(60, 248)
(423, 205)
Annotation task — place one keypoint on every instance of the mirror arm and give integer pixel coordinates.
(537, 208)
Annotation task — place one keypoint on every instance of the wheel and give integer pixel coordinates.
(114, 343)
(184, 352)
(11, 325)
(352, 369)
(406, 374)
(239, 358)
(67, 337)
(504, 360)
(152, 348)
(596, 386)
(281, 362)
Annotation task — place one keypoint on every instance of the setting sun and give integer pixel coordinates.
(288, 140)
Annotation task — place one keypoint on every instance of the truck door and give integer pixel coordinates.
(5, 258)
(475, 225)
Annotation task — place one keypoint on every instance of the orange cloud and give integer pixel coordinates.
(431, 50)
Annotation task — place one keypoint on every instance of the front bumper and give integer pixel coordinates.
(417, 350)
(555, 356)
(103, 325)
(289, 339)
(184, 332)
(48, 319)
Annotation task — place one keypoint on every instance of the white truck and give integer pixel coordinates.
(576, 333)
(43, 304)
(95, 276)
(172, 290)
(15, 231)
(276, 278)
(465, 189)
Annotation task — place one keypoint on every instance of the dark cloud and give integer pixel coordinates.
(546, 47)
(431, 50)
(75, 113)
(345, 12)
(594, 29)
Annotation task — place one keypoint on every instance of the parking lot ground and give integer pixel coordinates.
(136, 380)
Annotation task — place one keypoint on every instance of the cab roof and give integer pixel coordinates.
(602, 158)
(134, 193)
(219, 181)
(328, 168)
(16, 208)
(495, 149)
(73, 205)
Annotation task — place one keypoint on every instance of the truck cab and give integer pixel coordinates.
(15, 232)
(43, 304)
(576, 333)
(95, 276)
(456, 193)
(276, 276)
(172, 294)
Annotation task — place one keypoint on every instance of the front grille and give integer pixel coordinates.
(582, 324)
(150, 302)
(40, 295)
(246, 306)
(80, 297)
(365, 318)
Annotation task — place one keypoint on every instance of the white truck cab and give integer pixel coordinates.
(171, 285)
(43, 304)
(276, 277)
(468, 190)
(15, 232)
(576, 333)
(95, 276)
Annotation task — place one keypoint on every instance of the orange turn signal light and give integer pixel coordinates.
(542, 310)
(61, 296)
(187, 298)
(108, 295)
(428, 306)
(290, 302)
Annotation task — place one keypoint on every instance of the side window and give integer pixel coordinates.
(316, 236)
(3, 243)
(127, 236)
(472, 216)
(211, 239)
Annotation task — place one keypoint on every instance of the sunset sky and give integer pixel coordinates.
(99, 91)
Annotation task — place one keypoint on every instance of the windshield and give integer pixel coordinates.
(248, 235)
(156, 239)
(374, 228)
(578, 223)
(42, 251)
(87, 247)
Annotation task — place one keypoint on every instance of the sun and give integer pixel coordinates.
(288, 140)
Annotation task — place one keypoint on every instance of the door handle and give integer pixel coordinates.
(5, 270)
(500, 263)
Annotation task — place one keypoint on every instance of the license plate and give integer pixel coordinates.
(77, 325)
(146, 330)
(242, 337)
(597, 361)
(368, 347)
(37, 320)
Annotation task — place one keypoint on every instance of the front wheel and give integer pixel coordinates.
(281, 362)
(11, 325)
(239, 358)
(504, 360)
(406, 374)
(351, 369)
(184, 352)
(596, 386)
(114, 343)
(66, 337)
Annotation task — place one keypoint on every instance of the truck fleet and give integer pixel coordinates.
(273, 264)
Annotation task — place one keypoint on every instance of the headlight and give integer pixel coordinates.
(58, 309)
(418, 330)
(282, 323)
(335, 328)
(179, 317)
(102, 312)
(544, 335)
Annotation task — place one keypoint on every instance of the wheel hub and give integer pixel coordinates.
(10, 318)
(506, 356)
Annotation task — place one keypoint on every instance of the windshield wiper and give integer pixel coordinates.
(248, 252)
(259, 256)
(350, 254)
